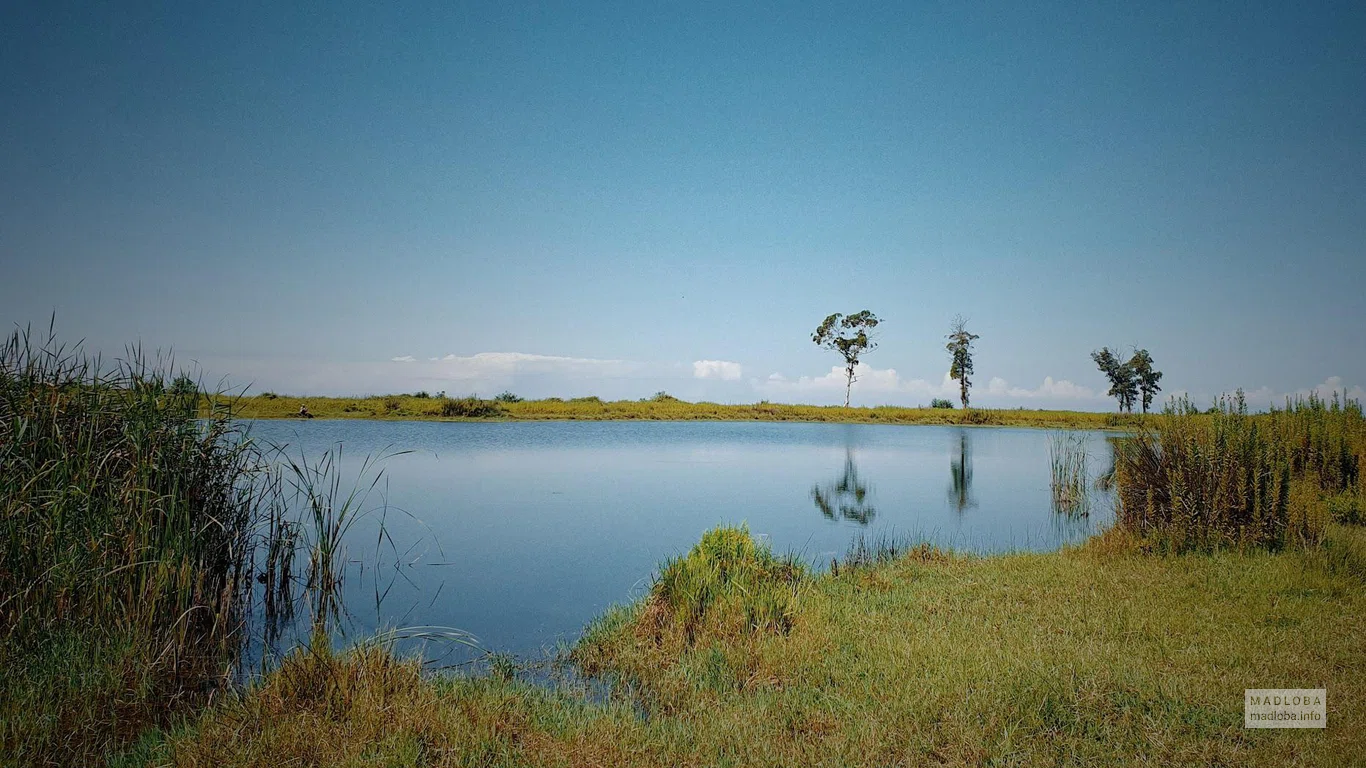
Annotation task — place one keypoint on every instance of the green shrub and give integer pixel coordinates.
(470, 407)
(506, 397)
(1346, 507)
(726, 580)
(940, 402)
(979, 416)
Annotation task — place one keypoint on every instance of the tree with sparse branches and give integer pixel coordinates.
(1123, 382)
(847, 335)
(1145, 377)
(960, 356)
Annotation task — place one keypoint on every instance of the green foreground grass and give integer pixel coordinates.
(408, 407)
(1098, 655)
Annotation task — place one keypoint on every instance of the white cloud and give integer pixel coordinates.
(716, 369)
(1263, 396)
(867, 380)
(404, 359)
(1059, 389)
(888, 385)
(503, 364)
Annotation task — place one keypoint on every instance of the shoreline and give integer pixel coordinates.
(869, 665)
(416, 408)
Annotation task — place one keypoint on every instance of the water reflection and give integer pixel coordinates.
(1106, 480)
(545, 525)
(846, 497)
(960, 470)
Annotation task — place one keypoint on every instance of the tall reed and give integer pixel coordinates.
(1227, 478)
(1067, 458)
(137, 527)
(126, 523)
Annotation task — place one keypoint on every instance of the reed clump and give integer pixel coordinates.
(728, 582)
(1068, 483)
(125, 523)
(1230, 479)
(883, 549)
(139, 526)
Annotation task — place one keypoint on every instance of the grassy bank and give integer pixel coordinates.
(1100, 655)
(409, 407)
(1235, 563)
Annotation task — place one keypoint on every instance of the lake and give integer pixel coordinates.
(522, 532)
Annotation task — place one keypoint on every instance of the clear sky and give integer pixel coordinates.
(615, 199)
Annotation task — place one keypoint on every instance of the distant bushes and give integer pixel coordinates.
(1199, 482)
(506, 397)
(979, 416)
(470, 407)
(940, 402)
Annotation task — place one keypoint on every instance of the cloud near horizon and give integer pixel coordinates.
(716, 369)
(502, 364)
(886, 382)
(1050, 388)
(1264, 396)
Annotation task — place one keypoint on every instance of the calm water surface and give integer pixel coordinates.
(522, 532)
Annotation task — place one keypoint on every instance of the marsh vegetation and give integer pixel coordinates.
(143, 531)
(141, 546)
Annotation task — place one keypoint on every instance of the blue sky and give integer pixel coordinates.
(595, 198)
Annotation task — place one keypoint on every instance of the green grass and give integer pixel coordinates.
(1099, 655)
(665, 408)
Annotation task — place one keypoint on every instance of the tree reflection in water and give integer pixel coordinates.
(846, 497)
(960, 469)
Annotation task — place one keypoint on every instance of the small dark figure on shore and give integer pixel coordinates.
(303, 412)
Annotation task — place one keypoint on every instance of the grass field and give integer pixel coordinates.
(1099, 655)
(408, 407)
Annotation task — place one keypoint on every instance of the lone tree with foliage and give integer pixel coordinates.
(960, 356)
(1123, 382)
(1145, 377)
(847, 335)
